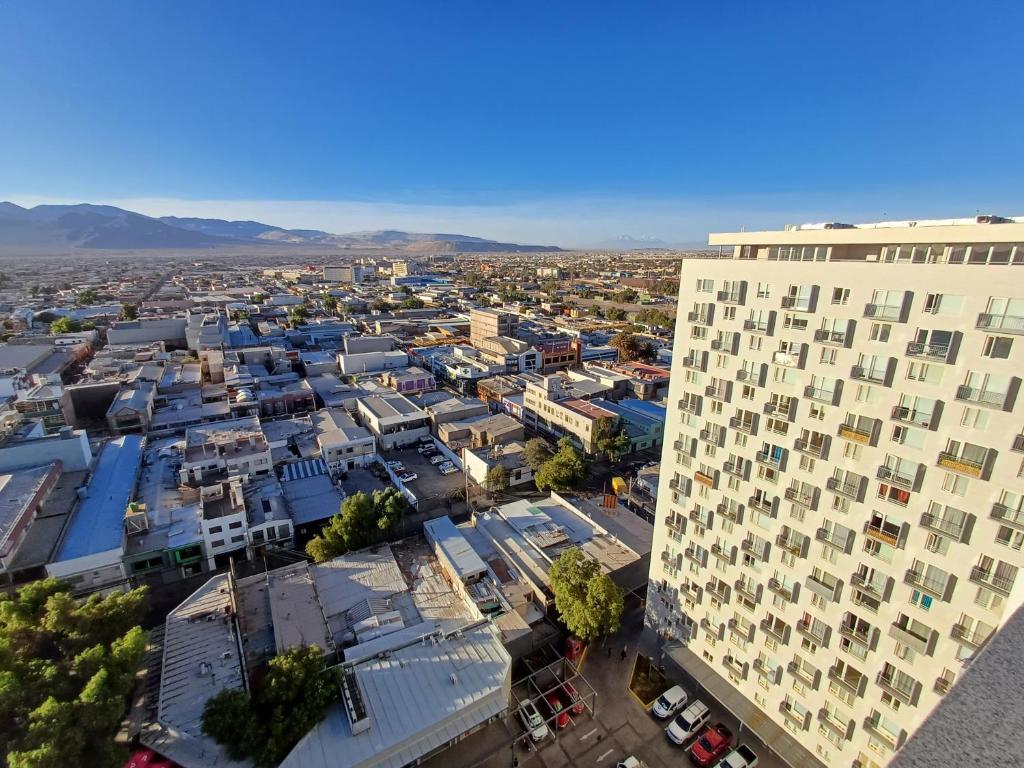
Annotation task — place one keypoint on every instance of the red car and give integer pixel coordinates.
(557, 710)
(571, 695)
(712, 744)
(147, 758)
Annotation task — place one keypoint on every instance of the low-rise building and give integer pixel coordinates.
(479, 461)
(344, 445)
(235, 447)
(393, 420)
(549, 407)
(409, 381)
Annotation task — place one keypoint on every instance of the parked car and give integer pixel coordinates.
(532, 720)
(574, 698)
(426, 440)
(741, 757)
(688, 723)
(631, 762)
(438, 458)
(425, 449)
(396, 466)
(711, 745)
(557, 710)
(448, 468)
(670, 702)
(408, 477)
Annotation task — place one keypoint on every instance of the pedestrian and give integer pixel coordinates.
(623, 653)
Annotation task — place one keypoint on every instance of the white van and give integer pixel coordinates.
(670, 702)
(688, 723)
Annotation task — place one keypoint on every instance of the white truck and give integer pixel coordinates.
(741, 757)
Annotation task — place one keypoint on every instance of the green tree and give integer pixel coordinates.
(352, 528)
(65, 325)
(627, 344)
(588, 601)
(265, 725)
(330, 302)
(563, 471)
(647, 351)
(297, 314)
(88, 296)
(390, 506)
(616, 314)
(497, 478)
(66, 668)
(129, 311)
(381, 305)
(536, 453)
(413, 302)
(258, 298)
(611, 442)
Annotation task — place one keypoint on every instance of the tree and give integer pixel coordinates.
(390, 506)
(66, 668)
(611, 442)
(588, 601)
(351, 528)
(413, 302)
(265, 725)
(129, 311)
(88, 296)
(258, 298)
(536, 453)
(651, 316)
(497, 478)
(381, 305)
(616, 314)
(563, 471)
(647, 351)
(627, 344)
(65, 325)
(297, 314)
(329, 302)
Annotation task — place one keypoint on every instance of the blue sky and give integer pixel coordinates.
(535, 121)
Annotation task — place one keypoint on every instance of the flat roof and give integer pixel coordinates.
(312, 499)
(97, 525)
(17, 492)
(945, 231)
(457, 551)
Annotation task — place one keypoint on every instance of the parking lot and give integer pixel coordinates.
(431, 488)
(614, 727)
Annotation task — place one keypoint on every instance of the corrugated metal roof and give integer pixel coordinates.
(453, 544)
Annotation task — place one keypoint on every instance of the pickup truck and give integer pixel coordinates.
(714, 742)
(741, 757)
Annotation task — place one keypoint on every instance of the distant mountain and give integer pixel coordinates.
(630, 243)
(60, 227)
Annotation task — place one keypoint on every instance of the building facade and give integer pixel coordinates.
(840, 523)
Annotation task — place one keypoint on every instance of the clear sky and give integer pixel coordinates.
(535, 121)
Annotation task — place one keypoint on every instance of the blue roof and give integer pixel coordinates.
(640, 412)
(646, 407)
(98, 522)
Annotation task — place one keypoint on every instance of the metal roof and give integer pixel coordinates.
(457, 551)
(98, 523)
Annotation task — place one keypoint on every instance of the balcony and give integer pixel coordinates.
(807, 499)
(880, 376)
(1010, 515)
(949, 527)
(763, 327)
(735, 666)
(987, 578)
(805, 676)
(961, 464)
(857, 434)
(698, 557)
(788, 359)
(872, 724)
(786, 592)
(718, 590)
(742, 628)
(752, 593)
(935, 587)
(840, 540)
(799, 719)
(690, 405)
(893, 476)
(783, 409)
(816, 448)
(752, 548)
(905, 690)
(700, 517)
(861, 635)
(818, 636)
(731, 297)
(756, 378)
(748, 426)
(942, 685)
(721, 392)
(722, 552)
(704, 479)
(851, 680)
(798, 303)
(730, 345)
(715, 438)
(884, 312)
(772, 674)
(851, 489)
(883, 533)
(676, 524)
(831, 338)
(791, 542)
(918, 418)
(699, 318)
(691, 590)
(822, 587)
(1018, 444)
(968, 636)
(902, 633)
(827, 396)
(1005, 323)
(696, 362)
(843, 730)
(762, 505)
(939, 353)
(776, 461)
(736, 469)
(732, 514)
(879, 587)
(983, 397)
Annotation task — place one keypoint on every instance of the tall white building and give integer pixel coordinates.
(841, 522)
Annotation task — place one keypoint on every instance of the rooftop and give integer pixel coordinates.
(19, 492)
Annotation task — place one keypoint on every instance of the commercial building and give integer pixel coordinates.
(840, 526)
(393, 420)
(344, 273)
(485, 324)
(344, 445)
(551, 408)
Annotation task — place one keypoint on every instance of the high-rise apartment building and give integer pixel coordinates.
(842, 517)
(486, 323)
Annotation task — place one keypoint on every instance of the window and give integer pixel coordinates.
(217, 543)
(975, 418)
(235, 525)
(216, 529)
(997, 347)
(829, 356)
(729, 313)
(764, 290)
(880, 331)
(921, 600)
(955, 484)
(841, 296)
(705, 286)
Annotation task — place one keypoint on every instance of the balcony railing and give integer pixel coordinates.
(960, 464)
(801, 674)
(912, 416)
(750, 377)
(854, 683)
(782, 590)
(731, 513)
(978, 396)
(883, 311)
(1018, 444)
(873, 375)
(849, 488)
(895, 477)
(723, 552)
(704, 479)
(827, 396)
(859, 635)
(774, 460)
(991, 580)
(1010, 515)
(718, 393)
(735, 468)
(730, 297)
(826, 718)
(798, 496)
(950, 527)
(937, 352)
(768, 507)
(905, 690)
(917, 578)
(752, 593)
(797, 303)
(872, 724)
(817, 448)
(968, 636)
(691, 405)
(821, 587)
(1007, 323)
(693, 556)
(832, 338)
(719, 590)
(882, 534)
(838, 539)
(757, 326)
(873, 586)
(799, 719)
(856, 434)
(787, 359)
(696, 362)
(749, 426)
(942, 685)
(790, 543)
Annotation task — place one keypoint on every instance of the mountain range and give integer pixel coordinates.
(104, 227)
